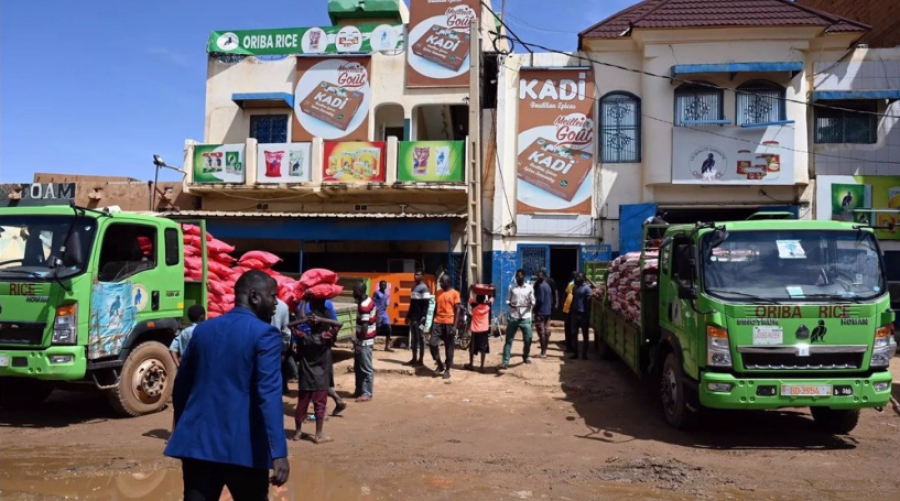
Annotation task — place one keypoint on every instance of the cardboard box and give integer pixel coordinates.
(443, 46)
(332, 104)
(554, 168)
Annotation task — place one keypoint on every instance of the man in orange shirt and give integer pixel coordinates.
(444, 327)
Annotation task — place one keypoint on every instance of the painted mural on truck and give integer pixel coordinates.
(332, 99)
(439, 42)
(871, 200)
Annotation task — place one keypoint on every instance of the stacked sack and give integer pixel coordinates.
(318, 282)
(623, 284)
(223, 270)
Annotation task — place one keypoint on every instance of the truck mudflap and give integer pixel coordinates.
(725, 391)
(56, 363)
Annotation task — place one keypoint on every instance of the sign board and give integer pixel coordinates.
(36, 194)
(219, 164)
(279, 163)
(332, 99)
(555, 163)
(844, 198)
(733, 155)
(363, 38)
(431, 161)
(354, 162)
(439, 42)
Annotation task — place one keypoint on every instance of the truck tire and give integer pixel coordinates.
(673, 395)
(836, 421)
(23, 392)
(146, 380)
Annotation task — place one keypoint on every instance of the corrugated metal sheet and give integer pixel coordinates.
(302, 215)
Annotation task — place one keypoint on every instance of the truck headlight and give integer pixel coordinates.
(65, 327)
(884, 348)
(718, 350)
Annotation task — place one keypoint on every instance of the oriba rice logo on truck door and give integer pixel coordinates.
(556, 141)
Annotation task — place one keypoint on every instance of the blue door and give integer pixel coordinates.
(631, 225)
(532, 258)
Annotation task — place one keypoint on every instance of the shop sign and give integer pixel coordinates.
(431, 161)
(733, 155)
(36, 194)
(555, 163)
(364, 38)
(354, 162)
(332, 99)
(279, 163)
(845, 198)
(439, 44)
(219, 164)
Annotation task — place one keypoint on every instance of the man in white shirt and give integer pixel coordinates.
(521, 301)
(288, 366)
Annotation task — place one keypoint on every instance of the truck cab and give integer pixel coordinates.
(89, 297)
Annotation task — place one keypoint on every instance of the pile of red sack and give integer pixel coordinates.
(623, 285)
(318, 282)
(224, 270)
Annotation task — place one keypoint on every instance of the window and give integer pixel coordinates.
(620, 128)
(696, 102)
(760, 102)
(128, 249)
(269, 128)
(838, 126)
(172, 254)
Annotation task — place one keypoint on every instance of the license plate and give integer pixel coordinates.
(767, 335)
(803, 390)
(4, 361)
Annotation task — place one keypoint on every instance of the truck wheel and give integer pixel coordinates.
(672, 394)
(22, 392)
(838, 422)
(145, 383)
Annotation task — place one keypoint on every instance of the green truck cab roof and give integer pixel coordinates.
(773, 224)
(65, 210)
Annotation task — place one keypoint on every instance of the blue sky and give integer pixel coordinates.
(99, 86)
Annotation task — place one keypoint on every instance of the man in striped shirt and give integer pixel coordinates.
(366, 330)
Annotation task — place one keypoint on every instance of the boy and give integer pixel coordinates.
(304, 310)
(443, 328)
(366, 315)
(481, 327)
(196, 314)
(314, 348)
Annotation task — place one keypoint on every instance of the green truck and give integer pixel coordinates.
(758, 314)
(91, 297)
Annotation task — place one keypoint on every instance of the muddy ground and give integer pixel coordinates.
(556, 429)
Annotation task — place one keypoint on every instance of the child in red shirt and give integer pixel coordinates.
(481, 329)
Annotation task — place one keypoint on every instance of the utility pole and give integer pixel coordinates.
(474, 220)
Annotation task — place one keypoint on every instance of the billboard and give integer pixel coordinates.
(36, 194)
(439, 42)
(219, 163)
(733, 155)
(555, 153)
(363, 38)
(354, 162)
(431, 161)
(845, 198)
(332, 99)
(278, 163)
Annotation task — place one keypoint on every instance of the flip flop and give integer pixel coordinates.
(339, 409)
(324, 440)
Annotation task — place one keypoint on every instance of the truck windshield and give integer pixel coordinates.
(31, 247)
(794, 265)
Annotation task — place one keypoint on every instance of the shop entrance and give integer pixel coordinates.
(563, 261)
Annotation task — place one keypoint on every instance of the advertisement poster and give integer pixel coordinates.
(364, 38)
(555, 161)
(278, 163)
(733, 155)
(332, 99)
(439, 42)
(219, 163)
(354, 162)
(114, 308)
(842, 198)
(431, 161)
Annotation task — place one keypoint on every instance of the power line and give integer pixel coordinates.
(528, 46)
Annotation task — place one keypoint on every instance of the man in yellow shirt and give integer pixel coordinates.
(571, 339)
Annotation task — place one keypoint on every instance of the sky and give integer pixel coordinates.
(99, 86)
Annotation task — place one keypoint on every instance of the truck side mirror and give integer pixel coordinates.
(74, 254)
(686, 291)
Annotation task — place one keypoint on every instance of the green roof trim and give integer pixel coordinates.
(364, 9)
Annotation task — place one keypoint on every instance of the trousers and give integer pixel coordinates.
(512, 326)
(417, 341)
(363, 369)
(204, 481)
(447, 334)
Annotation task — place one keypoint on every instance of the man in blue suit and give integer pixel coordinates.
(229, 421)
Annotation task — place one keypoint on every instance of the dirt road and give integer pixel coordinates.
(556, 429)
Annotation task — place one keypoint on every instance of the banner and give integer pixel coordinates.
(219, 163)
(844, 198)
(332, 99)
(362, 38)
(733, 155)
(431, 161)
(439, 42)
(278, 163)
(354, 162)
(555, 160)
(36, 194)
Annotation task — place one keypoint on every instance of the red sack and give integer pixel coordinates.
(318, 276)
(227, 301)
(213, 314)
(252, 264)
(191, 251)
(146, 245)
(190, 229)
(192, 240)
(193, 263)
(325, 291)
(223, 258)
(216, 287)
(193, 274)
(216, 246)
(219, 269)
(262, 256)
(214, 306)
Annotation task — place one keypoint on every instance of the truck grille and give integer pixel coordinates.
(790, 361)
(24, 333)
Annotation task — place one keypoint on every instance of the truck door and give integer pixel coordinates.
(676, 315)
(631, 225)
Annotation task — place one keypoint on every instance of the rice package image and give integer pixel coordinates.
(332, 104)
(554, 168)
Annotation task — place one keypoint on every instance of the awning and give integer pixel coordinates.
(264, 100)
(773, 67)
(839, 95)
